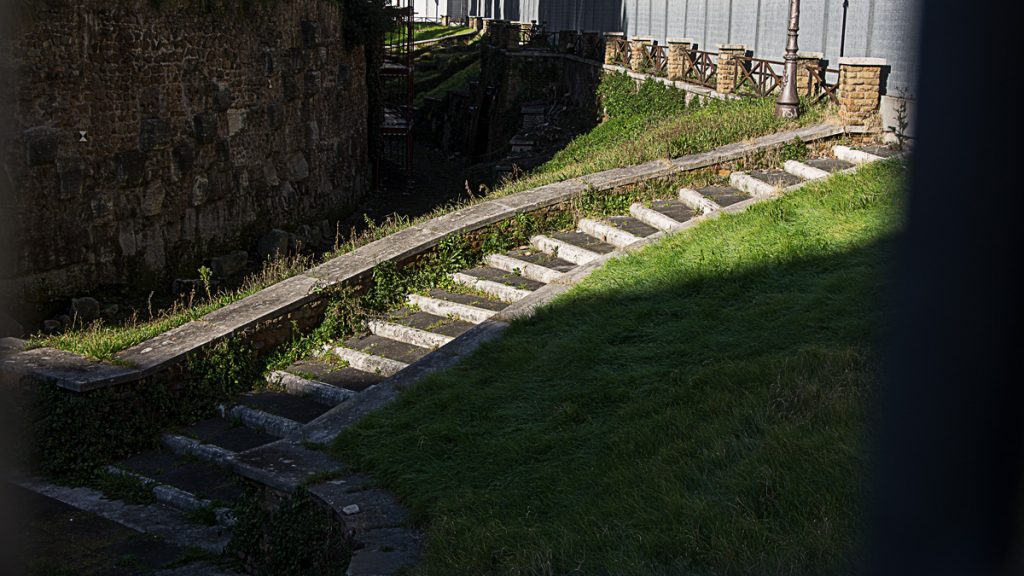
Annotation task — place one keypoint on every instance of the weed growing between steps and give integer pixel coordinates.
(74, 434)
(697, 407)
(288, 536)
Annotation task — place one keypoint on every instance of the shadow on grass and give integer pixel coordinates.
(703, 422)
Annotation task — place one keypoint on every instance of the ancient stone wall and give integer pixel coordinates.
(205, 125)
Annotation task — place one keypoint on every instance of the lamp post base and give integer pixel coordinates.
(788, 111)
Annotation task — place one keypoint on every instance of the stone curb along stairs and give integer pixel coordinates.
(274, 439)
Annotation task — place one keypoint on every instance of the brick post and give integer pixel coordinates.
(485, 25)
(729, 61)
(476, 23)
(807, 84)
(525, 32)
(513, 35)
(590, 45)
(860, 90)
(612, 42)
(638, 52)
(678, 63)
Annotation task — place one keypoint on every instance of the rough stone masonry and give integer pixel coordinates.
(148, 138)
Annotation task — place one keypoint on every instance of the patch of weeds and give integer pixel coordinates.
(204, 515)
(293, 536)
(125, 487)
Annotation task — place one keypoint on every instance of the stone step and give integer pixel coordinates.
(723, 195)
(533, 256)
(442, 307)
(631, 225)
(386, 348)
(367, 362)
(697, 201)
(177, 498)
(854, 156)
(778, 179)
(408, 334)
(804, 171)
(260, 420)
(606, 233)
(562, 249)
(315, 390)
(202, 481)
(330, 370)
(408, 316)
(654, 218)
(167, 524)
(829, 165)
(498, 290)
(226, 434)
(753, 186)
(523, 268)
(211, 453)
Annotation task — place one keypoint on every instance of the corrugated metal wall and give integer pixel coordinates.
(878, 28)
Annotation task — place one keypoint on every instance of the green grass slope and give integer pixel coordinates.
(698, 407)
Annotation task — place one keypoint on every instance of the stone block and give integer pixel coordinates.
(85, 309)
(312, 82)
(297, 168)
(273, 245)
(222, 99)
(230, 264)
(184, 154)
(130, 166)
(42, 144)
(205, 127)
(309, 31)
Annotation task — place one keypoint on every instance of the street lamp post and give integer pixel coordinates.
(787, 105)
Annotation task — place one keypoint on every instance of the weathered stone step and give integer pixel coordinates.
(330, 370)
(157, 520)
(226, 434)
(200, 479)
(523, 268)
(631, 225)
(697, 201)
(461, 306)
(315, 390)
(192, 448)
(606, 233)
(443, 325)
(386, 348)
(563, 249)
(499, 290)
(854, 156)
(654, 218)
(829, 164)
(367, 362)
(177, 498)
(804, 171)
(259, 420)
(723, 195)
(540, 258)
(299, 409)
(408, 334)
(753, 186)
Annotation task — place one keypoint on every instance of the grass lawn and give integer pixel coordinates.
(433, 31)
(654, 121)
(698, 407)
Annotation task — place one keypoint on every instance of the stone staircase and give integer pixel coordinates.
(264, 436)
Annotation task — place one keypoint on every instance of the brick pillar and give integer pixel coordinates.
(590, 45)
(513, 35)
(476, 23)
(612, 42)
(729, 57)
(485, 25)
(860, 90)
(806, 84)
(638, 52)
(678, 63)
(525, 30)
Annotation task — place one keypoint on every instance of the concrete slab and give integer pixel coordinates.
(284, 465)
(631, 225)
(172, 346)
